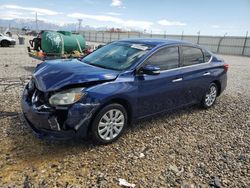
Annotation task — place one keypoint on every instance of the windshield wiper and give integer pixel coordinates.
(97, 65)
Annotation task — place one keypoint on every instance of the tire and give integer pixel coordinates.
(209, 98)
(109, 124)
(5, 43)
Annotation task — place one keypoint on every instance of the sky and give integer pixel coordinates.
(210, 17)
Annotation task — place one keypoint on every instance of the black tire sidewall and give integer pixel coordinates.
(95, 123)
(203, 103)
(5, 43)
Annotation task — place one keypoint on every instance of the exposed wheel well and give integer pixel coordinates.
(218, 84)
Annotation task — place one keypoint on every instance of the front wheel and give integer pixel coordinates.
(5, 43)
(109, 124)
(210, 97)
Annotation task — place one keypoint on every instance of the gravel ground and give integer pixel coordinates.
(189, 147)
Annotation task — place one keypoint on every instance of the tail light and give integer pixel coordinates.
(226, 66)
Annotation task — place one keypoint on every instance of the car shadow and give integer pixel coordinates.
(148, 122)
(27, 146)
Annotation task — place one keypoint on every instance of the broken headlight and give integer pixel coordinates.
(66, 97)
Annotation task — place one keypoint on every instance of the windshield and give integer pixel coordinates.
(117, 56)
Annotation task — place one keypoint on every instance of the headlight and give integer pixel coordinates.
(66, 97)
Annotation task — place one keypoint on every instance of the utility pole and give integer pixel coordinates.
(79, 25)
(36, 23)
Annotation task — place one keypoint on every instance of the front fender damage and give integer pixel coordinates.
(80, 114)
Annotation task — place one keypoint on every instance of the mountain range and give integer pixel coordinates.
(43, 25)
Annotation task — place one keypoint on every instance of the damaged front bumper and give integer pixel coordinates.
(52, 123)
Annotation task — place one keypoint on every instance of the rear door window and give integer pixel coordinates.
(192, 56)
(165, 59)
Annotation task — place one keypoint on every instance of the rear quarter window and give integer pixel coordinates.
(207, 56)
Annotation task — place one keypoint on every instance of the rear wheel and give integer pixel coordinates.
(5, 43)
(109, 124)
(210, 97)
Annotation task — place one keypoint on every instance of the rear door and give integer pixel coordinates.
(161, 92)
(196, 72)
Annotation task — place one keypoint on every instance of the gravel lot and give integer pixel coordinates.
(192, 147)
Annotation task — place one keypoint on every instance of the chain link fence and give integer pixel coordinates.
(218, 44)
(231, 45)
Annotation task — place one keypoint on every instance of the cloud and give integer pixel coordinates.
(104, 18)
(215, 26)
(113, 13)
(96, 17)
(9, 15)
(171, 23)
(116, 3)
(39, 11)
(12, 14)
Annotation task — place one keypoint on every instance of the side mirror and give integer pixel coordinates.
(150, 70)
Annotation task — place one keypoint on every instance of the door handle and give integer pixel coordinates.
(177, 80)
(206, 73)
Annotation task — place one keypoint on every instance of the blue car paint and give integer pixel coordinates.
(54, 75)
(144, 95)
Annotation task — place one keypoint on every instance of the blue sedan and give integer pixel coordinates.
(118, 84)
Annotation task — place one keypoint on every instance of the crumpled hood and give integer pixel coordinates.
(55, 74)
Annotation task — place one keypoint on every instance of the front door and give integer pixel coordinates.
(165, 91)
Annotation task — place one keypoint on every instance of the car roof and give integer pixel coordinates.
(156, 42)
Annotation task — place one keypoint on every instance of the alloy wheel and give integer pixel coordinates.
(211, 96)
(111, 124)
